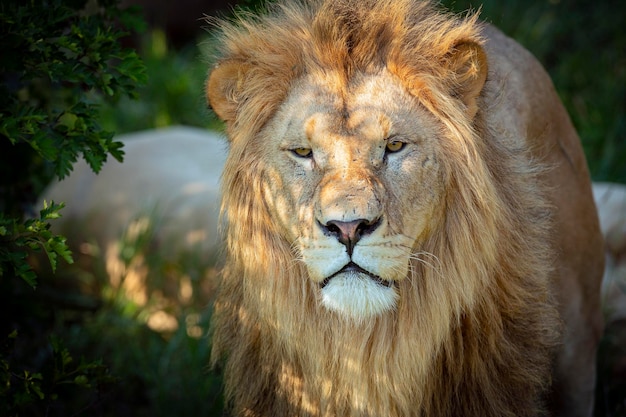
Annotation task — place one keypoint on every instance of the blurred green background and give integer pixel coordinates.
(582, 44)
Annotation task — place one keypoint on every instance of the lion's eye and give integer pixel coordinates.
(303, 152)
(394, 146)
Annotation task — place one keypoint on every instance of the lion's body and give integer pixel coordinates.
(406, 229)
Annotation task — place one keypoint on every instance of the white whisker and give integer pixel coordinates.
(431, 261)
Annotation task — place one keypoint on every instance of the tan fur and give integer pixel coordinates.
(493, 212)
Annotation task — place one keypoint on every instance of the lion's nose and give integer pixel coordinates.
(349, 233)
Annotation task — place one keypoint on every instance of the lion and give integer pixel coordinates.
(410, 228)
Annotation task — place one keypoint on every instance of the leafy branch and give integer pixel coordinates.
(57, 60)
(18, 239)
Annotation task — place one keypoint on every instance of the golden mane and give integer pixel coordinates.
(477, 301)
(333, 40)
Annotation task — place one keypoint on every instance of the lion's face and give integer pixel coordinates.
(355, 183)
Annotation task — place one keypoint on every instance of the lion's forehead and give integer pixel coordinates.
(368, 107)
(358, 137)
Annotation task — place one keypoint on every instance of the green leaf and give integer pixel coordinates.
(52, 258)
(34, 386)
(56, 245)
(68, 120)
(51, 210)
(24, 270)
(115, 148)
(82, 380)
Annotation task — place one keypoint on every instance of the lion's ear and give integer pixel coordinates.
(468, 61)
(224, 86)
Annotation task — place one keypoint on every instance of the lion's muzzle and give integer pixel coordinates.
(349, 233)
(353, 290)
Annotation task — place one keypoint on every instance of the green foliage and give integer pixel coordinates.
(159, 376)
(173, 94)
(18, 239)
(58, 61)
(29, 392)
(162, 370)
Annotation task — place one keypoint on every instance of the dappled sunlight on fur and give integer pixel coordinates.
(461, 219)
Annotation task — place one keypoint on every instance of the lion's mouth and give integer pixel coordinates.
(351, 267)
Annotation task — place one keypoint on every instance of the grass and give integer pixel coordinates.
(147, 317)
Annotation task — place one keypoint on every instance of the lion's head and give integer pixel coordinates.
(355, 162)
(385, 251)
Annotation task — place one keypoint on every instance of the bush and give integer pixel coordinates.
(57, 58)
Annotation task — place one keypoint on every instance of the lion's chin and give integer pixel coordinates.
(357, 296)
